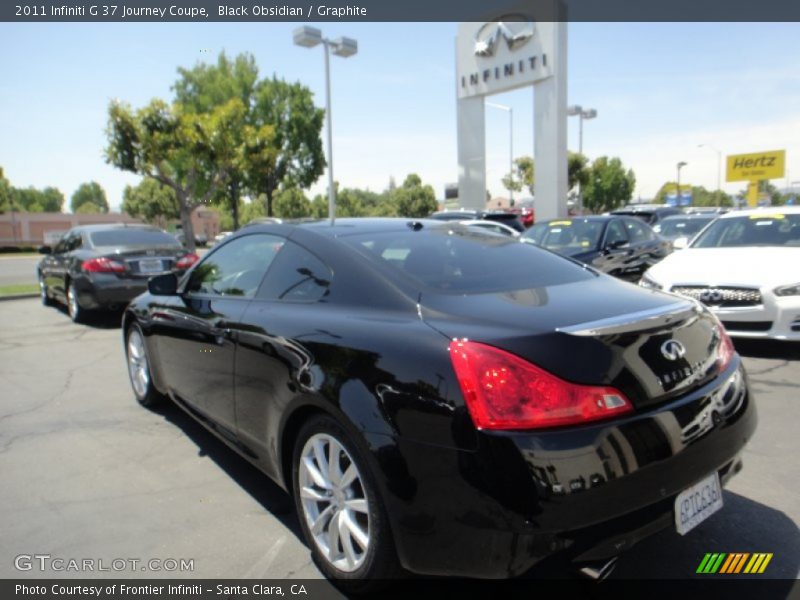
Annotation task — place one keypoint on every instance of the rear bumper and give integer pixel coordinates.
(587, 493)
(102, 290)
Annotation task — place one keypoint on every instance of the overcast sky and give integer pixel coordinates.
(659, 89)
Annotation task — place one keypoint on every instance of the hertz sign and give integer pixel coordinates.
(756, 167)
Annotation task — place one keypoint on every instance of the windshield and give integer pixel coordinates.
(464, 260)
(761, 229)
(673, 227)
(133, 237)
(570, 236)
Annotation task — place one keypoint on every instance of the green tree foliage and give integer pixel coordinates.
(700, 195)
(293, 157)
(191, 153)
(608, 185)
(5, 193)
(89, 193)
(524, 173)
(254, 209)
(151, 201)
(291, 203)
(413, 199)
(30, 199)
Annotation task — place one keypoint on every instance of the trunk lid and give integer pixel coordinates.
(650, 345)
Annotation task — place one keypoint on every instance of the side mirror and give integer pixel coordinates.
(45, 250)
(615, 244)
(163, 285)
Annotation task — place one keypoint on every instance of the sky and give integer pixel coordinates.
(660, 90)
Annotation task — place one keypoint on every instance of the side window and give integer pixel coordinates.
(638, 232)
(237, 268)
(615, 234)
(63, 244)
(296, 276)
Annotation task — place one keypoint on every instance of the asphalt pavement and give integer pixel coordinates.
(87, 473)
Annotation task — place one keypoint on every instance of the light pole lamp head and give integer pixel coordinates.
(306, 36)
(589, 113)
(682, 164)
(574, 110)
(344, 46)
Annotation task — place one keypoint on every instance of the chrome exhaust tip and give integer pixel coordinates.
(598, 571)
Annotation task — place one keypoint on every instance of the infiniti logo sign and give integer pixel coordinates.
(711, 296)
(672, 350)
(515, 29)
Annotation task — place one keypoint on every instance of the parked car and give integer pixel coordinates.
(649, 213)
(444, 400)
(499, 216)
(200, 239)
(745, 266)
(620, 246)
(493, 226)
(105, 266)
(526, 212)
(680, 229)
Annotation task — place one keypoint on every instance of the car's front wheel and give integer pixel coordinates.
(44, 292)
(340, 508)
(139, 368)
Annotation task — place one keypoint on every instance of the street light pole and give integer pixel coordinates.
(589, 113)
(719, 163)
(678, 183)
(510, 112)
(309, 37)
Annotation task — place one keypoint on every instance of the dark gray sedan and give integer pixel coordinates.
(106, 266)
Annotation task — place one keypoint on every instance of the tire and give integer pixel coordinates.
(139, 368)
(76, 313)
(364, 556)
(44, 292)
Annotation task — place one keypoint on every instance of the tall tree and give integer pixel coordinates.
(89, 193)
(524, 173)
(293, 156)
(608, 185)
(5, 193)
(203, 88)
(30, 199)
(291, 203)
(152, 201)
(413, 199)
(191, 153)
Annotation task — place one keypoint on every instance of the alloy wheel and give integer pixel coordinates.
(334, 502)
(137, 363)
(72, 303)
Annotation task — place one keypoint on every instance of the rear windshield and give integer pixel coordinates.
(463, 260)
(570, 236)
(132, 237)
(681, 227)
(758, 229)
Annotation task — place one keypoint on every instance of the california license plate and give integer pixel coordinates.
(150, 266)
(695, 504)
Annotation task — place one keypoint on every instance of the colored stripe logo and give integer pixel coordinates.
(734, 563)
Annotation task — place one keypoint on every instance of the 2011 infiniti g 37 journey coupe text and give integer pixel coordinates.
(431, 411)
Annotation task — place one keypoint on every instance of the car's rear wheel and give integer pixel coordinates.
(76, 313)
(139, 368)
(44, 292)
(340, 508)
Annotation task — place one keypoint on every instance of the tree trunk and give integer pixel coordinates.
(269, 202)
(186, 223)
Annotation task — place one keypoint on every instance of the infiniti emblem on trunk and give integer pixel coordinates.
(672, 350)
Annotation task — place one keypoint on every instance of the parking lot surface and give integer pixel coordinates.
(88, 474)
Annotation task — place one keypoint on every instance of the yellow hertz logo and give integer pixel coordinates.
(737, 562)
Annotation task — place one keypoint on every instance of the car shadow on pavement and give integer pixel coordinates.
(248, 477)
(99, 319)
(773, 349)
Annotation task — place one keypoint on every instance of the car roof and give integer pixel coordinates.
(112, 226)
(762, 210)
(634, 208)
(351, 225)
(691, 216)
(600, 218)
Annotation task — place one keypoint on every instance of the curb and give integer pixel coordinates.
(19, 296)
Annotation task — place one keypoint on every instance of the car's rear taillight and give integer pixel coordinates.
(725, 349)
(103, 265)
(186, 261)
(503, 391)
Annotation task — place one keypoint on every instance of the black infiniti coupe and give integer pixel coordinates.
(433, 412)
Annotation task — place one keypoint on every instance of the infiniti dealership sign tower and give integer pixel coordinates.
(508, 53)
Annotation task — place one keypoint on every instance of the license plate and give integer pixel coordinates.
(150, 266)
(695, 504)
